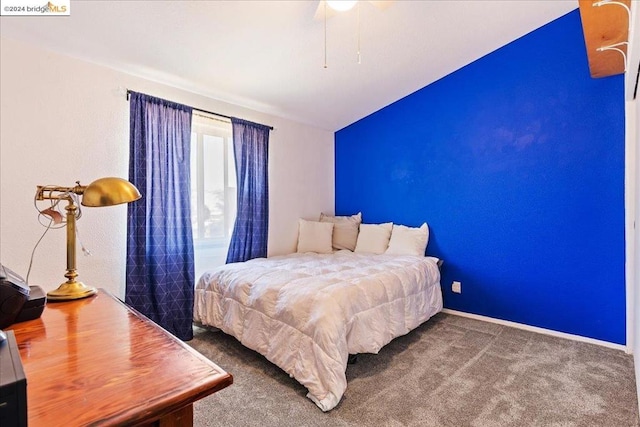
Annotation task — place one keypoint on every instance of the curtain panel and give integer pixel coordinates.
(160, 267)
(251, 151)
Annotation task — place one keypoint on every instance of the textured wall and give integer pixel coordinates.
(64, 120)
(516, 161)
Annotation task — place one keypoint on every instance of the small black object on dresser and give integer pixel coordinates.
(18, 301)
(33, 306)
(14, 292)
(13, 384)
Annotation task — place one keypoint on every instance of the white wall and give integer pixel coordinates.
(632, 195)
(633, 234)
(63, 119)
(630, 219)
(633, 295)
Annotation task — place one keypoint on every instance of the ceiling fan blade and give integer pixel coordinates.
(381, 4)
(319, 15)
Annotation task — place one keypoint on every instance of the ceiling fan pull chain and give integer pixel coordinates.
(359, 59)
(325, 34)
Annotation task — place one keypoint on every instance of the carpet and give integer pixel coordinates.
(450, 371)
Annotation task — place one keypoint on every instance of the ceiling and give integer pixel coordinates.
(269, 55)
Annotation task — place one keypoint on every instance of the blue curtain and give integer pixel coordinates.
(160, 272)
(251, 151)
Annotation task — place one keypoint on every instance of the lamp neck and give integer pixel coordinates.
(54, 192)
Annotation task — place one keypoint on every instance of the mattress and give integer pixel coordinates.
(307, 312)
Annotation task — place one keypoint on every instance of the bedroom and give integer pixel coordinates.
(54, 104)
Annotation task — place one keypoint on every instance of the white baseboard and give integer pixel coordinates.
(539, 330)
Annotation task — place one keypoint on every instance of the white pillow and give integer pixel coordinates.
(345, 230)
(374, 238)
(314, 236)
(408, 240)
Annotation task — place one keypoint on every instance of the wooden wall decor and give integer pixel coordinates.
(605, 25)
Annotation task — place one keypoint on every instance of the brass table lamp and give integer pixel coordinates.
(101, 192)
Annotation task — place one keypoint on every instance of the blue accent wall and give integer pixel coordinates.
(516, 162)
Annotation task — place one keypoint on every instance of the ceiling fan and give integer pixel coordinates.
(334, 7)
(328, 8)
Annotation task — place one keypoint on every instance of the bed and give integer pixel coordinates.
(307, 312)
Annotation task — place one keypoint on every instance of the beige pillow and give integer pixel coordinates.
(314, 236)
(408, 240)
(345, 230)
(374, 238)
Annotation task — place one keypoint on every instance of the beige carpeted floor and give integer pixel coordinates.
(451, 371)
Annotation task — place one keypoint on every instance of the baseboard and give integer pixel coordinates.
(538, 330)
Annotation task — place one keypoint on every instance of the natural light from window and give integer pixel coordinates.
(213, 190)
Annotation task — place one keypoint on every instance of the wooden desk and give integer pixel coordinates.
(95, 361)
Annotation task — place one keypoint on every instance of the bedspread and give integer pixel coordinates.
(307, 312)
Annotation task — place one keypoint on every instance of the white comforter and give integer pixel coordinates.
(307, 312)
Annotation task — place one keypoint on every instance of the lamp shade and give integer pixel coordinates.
(109, 191)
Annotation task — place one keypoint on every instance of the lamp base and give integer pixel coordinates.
(70, 291)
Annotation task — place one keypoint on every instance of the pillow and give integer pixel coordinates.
(408, 240)
(345, 230)
(314, 236)
(374, 238)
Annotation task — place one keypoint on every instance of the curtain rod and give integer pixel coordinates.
(208, 112)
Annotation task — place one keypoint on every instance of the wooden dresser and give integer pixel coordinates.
(96, 361)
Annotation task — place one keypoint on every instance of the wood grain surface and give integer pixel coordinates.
(604, 25)
(97, 362)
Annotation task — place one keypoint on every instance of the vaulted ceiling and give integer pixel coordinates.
(270, 55)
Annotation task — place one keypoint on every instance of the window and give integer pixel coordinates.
(213, 190)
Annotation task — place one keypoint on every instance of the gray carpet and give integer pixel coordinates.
(451, 371)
